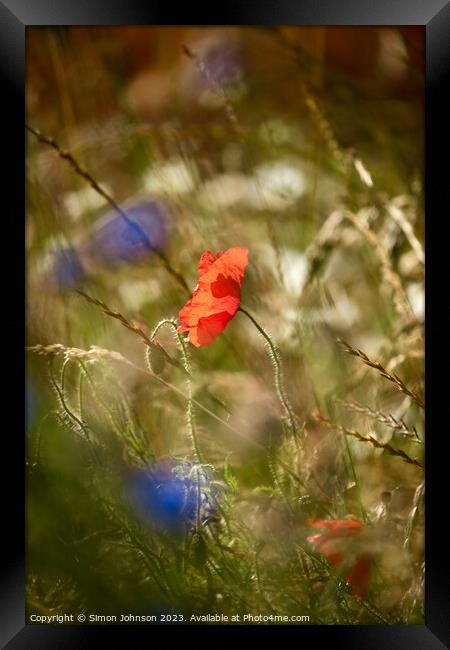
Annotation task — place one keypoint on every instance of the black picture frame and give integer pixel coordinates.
(434, 15)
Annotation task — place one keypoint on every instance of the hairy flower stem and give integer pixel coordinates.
(78, 424)
(276, 360)
(187, 366)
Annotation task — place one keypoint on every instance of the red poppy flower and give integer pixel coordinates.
(217, 296)
(333, 545)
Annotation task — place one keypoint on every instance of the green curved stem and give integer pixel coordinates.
(276, 360)
(187, 366)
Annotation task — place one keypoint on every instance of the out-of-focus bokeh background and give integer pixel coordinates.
(304, 145)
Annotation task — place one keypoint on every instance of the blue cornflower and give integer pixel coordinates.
(175, 495)
(115, 239)
(222, 62)
(66, 269)
(30, 403)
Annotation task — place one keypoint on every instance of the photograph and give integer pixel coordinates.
(224, 233)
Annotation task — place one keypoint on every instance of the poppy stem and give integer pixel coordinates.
(190, 403)
(276, 360)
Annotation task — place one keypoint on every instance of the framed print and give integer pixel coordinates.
(224, 228)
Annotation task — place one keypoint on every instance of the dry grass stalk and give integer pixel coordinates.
(93, 354)
(392, 377)
(400, 219)
(393, 451)
(327, 237)
(384, 418)
(392, 279)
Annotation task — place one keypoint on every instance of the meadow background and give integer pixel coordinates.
(304, 145)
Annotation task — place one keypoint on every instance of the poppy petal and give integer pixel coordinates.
(206, 261)
(225, 287)
(209, 328)
(216, 298)
(359, 577)
(338, 526)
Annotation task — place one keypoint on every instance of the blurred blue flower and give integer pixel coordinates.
(174, 495)
(30, 403)
(223, 62)
(65, 270)
(114, 239)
